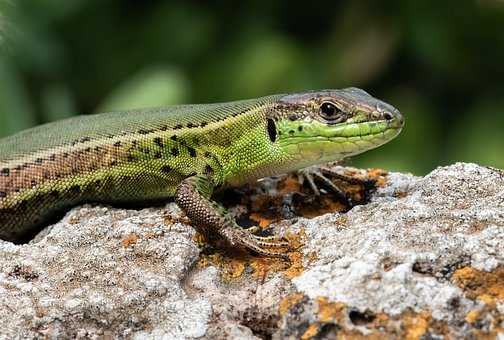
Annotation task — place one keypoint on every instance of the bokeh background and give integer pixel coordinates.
(440, 62)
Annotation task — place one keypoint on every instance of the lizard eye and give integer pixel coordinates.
(329, 111)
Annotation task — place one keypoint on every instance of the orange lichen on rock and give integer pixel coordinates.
(263, 265)
(310, 332)
(377, 172)
(129, 240)
(328, 312)
(233, 263)
(288, 185)
(487, 287)
(288, 302)
(416, 325)
(351, 323)
(379, 175)
(331, 311)
(472, 316)
(327, 205)
(234, 269)
(296, 241)
(336, 313)
(231, 268)
(296, 267)
(261, 220)
(259, 202)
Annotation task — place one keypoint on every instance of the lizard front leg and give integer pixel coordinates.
(193, 196)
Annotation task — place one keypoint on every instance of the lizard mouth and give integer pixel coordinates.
(322, 144)
(373, 132)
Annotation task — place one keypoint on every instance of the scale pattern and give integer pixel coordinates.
(145, 155)
(139, 155)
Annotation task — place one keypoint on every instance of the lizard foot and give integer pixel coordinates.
(322, 175)
(263, 245)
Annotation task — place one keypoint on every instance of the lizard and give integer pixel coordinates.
(184, 152)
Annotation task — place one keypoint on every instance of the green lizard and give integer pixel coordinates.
(186, 152)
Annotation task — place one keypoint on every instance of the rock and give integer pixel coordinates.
(424, 258)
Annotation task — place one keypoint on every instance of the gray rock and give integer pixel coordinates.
(387, 268)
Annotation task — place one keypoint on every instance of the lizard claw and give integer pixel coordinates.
(262, 245)
(308, 175)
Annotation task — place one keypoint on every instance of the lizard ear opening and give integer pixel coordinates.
(272, 130)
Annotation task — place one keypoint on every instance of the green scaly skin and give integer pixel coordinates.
(185, 152)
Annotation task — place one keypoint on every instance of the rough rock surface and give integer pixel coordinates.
(424, 258)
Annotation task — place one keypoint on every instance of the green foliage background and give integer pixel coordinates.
(440, 62)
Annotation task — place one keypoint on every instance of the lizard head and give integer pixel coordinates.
(328, 125)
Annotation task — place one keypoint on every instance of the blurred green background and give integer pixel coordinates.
(440, 62)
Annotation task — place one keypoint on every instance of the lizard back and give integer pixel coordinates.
(111, 157)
